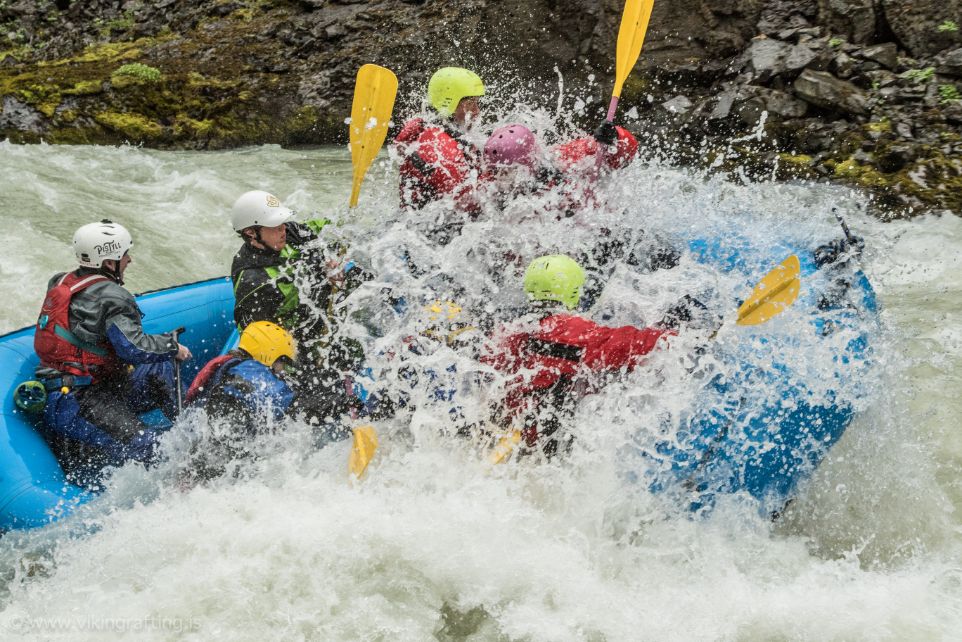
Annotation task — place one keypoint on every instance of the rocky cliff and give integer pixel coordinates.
(866, 92)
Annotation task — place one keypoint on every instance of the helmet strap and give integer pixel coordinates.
(256, 237)
(112, 273)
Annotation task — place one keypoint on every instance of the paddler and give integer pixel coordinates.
(438, 161)
(552, 358)
(249, 390)
(100, 369)
(287, 274)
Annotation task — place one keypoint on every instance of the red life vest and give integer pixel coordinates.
(436, 162)
(58, 347)
(205, 374)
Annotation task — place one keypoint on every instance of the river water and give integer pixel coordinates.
(433, 543)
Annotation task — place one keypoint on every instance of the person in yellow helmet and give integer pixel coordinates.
(437, 157)
(248, 388)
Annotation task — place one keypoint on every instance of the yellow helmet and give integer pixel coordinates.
(450, 85)
(443, 322)
(267, 342)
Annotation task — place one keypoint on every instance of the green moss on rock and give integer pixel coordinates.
(134, 127)
(135, 73)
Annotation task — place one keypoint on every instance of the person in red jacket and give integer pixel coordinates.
(552, 358)
(564, 178)
(437, 160)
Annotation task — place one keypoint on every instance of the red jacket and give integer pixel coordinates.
(561, 347)
(436, 162)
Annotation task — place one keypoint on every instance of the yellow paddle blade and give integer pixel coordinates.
(374, 93)
(363, 447)
(773, 294)
(631, 36)
(505, 446)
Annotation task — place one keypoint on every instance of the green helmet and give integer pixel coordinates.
(450, 85)
(555, 278)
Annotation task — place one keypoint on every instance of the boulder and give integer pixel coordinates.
(885, 54)
(779, 103)
(853, 20)
(916, 24)
(950, 64)
(20, 116)
(828, 92)
(677, 105)
(788, 16)
(770, 57)
(723, 105)
(894, 157)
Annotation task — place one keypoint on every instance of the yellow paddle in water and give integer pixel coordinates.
(363, 447)
(374, 92)
(775, 292)
(631, 36)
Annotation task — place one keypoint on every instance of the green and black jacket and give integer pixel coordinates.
(287, 287)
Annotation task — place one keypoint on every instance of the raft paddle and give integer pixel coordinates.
(363, 447)
(773, 294)
(374, 92)
(177, 379)
(631, 36)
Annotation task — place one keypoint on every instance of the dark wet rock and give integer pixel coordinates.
(853, 20)
(950, 64)
(885, 54)
(754, 101)
(723, 105)
(842, 66)
(953, 113)
(828, 92)
(20, 116)
(916, 24)
(770, 57)
(893, 158)
(786, 16)
(236, 72)
(677, 105)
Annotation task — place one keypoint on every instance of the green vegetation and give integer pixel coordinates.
(139, 71)
(920, 75)
(836, 42)
(949, 26)
(949, 93)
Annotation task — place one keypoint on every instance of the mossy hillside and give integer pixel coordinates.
(162, 92)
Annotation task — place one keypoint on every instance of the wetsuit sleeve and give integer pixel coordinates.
(625, 346)
(257, 298)
(126, 332)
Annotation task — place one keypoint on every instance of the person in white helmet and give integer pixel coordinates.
(99, 366)
(284, 273)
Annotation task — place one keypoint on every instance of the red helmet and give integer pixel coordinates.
(626, 148)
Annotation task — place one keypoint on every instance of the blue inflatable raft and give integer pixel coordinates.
(784, 394)
(33, 489)
(761, 426)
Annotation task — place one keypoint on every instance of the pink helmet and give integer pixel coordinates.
(509, 145)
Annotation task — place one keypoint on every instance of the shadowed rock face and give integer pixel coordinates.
(862, 85)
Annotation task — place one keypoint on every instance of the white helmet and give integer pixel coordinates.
(258, 208)
(95, 243)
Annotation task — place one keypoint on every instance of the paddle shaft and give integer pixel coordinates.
(848, 232)
(612, 108)
(180, 392)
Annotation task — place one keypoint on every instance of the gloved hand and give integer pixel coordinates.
(689, 311)
(831, 252)
(606, 134)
